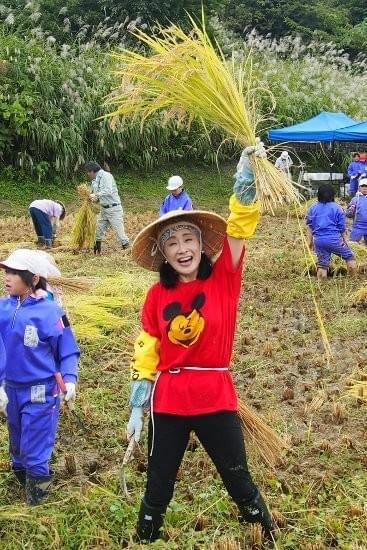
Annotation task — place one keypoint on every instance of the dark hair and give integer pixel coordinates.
(92, 166)
(326, 193)
(169, 277)
(27, 278)
(63, 210)
(356, 154)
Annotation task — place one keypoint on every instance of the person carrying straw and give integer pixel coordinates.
(39, 347)
(180, 366)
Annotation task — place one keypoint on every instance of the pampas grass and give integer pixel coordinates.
(84, 229)
(187, 77)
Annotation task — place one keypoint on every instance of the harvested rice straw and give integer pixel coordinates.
(76, 285)
(267, 443)
(359, 390)
(359, 298)
(188, 76)
(84, 229)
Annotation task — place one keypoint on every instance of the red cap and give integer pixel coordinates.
(363, 156)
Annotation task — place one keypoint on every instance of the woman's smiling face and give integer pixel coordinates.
(183, 252)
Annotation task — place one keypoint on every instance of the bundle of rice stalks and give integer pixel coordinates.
(187, 77)
(267, 443)
(94, 317)
(84, 229)
(359, 298)
(74, 285)
(359, 390)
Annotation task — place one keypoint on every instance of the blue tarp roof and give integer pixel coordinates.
(357, 133)
(318, 128)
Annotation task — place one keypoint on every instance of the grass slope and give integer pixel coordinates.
(319, 491)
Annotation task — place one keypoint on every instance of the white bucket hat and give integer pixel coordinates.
(174, 182)
(37, 262)
(284, 155)
(362, 182)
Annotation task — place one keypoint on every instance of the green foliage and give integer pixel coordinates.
(339, 21)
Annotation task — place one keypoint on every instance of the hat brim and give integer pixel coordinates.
(174, 188)
(213, 230)
(13, 265)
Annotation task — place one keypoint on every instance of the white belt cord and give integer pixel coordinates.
(175, 371)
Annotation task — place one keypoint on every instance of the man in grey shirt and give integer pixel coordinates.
(104, 191)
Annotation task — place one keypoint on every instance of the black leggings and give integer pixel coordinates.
(220, 434)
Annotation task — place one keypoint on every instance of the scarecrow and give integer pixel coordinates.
(39, 346)
(181, 364)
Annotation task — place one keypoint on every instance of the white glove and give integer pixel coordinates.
(70, 394)
(93, 197)
(3, 400)
(135, 424)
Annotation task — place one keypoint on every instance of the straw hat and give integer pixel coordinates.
(213, 230)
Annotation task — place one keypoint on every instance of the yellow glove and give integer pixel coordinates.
(243, 218)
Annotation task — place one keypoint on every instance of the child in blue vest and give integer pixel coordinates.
(327, 231)
(357, 209)
(38, 344)
(178, 199)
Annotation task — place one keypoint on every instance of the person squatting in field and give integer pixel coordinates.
(326, 224)
(357, 209)
(180, 366)
(38, 344)
(46, 215)
(177, 199)
(104, 191)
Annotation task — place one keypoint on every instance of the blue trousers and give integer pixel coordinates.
(326, 246)
(33, 413)
(41, 222)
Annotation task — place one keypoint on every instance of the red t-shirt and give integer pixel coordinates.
(195, 324)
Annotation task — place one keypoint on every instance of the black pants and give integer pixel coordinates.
(220, 434)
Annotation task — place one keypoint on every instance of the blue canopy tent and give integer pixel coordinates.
(356, 133)
(321, 127)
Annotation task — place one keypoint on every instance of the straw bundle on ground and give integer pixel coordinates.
(359, 298)
(187, 76)
(267, 443)
(359, 390)
(84, 229)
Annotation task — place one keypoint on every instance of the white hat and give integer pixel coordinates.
(284, 155)
(174, 182)
(37, 262)
(362, 181)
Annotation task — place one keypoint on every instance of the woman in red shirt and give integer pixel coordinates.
(180, 366)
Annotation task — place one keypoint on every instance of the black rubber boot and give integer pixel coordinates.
(48, 243)
(256, 511)
(97, 247)
(150, 521)
(36, 488)
(21, 476)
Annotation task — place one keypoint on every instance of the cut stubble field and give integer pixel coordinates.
(318, 491)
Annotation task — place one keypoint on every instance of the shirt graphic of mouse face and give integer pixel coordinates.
(185, 327)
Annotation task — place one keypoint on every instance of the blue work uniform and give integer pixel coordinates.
(179, 202)
(356, 169)
(327, 223)
(357, 209)
(38, 343)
